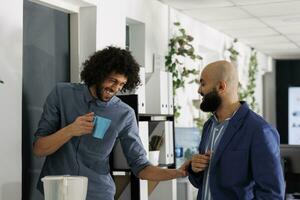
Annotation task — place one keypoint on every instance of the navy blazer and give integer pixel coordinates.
(246, 164)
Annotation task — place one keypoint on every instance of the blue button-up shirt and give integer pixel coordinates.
(86, 155)
(216, 132)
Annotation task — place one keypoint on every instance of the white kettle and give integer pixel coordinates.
(65, 187)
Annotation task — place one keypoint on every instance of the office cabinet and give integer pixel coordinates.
(119, 160)
(129, 186)
(164, 129)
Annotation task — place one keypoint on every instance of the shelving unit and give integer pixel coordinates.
(129, 187)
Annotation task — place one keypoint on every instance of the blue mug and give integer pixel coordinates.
(101, 125)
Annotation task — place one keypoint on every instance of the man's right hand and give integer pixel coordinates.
(200, 162)
(82, 125)
(49, 144)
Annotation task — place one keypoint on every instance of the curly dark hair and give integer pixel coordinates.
(108, 60)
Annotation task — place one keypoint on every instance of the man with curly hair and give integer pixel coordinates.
(65, 130)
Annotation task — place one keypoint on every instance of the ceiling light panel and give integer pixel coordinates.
(282, 20)
(294, 37)
(256, 2)
(289, 29)
(240, 33)
(274, 9)
(276, 46)
(237, 24)
(217, 14)
(265, 40)
(193, 4)
(285, 52)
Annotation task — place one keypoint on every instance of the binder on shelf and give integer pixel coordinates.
(140, 91)
(158, 92)
(144, 135)
(170, 96)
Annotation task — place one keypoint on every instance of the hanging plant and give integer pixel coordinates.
(248, 93)
(233, 52)
(203, 117)
(180, 46)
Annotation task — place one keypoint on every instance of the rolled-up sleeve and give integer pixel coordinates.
(49, 122)
(132, 146)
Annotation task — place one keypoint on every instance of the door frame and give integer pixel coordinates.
(83, 29)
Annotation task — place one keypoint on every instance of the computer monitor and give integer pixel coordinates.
(290, 155)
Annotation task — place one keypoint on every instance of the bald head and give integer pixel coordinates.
(222, 71)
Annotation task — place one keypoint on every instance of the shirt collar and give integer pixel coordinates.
(215, 119)
(87, 95)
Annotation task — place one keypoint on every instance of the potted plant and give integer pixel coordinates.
(154, 146)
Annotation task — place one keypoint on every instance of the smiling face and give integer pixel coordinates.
(110, 86)
(219, 87)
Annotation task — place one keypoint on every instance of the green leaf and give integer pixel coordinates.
(177, 23)
(189, 38)
(199, 57)
(182, 31)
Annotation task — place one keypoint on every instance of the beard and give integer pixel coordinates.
(210, 101)
(104, 94)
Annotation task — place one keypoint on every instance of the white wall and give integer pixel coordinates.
(154, 15)
(211, 45)
(11, 23)
(269, 84)
(112, 22)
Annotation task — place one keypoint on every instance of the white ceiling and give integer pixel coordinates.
(270, 26)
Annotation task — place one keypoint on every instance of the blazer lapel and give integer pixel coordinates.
(234, 124)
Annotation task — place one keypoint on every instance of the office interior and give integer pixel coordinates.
(43, 42)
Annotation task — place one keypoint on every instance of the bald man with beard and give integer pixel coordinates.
(239, 156)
